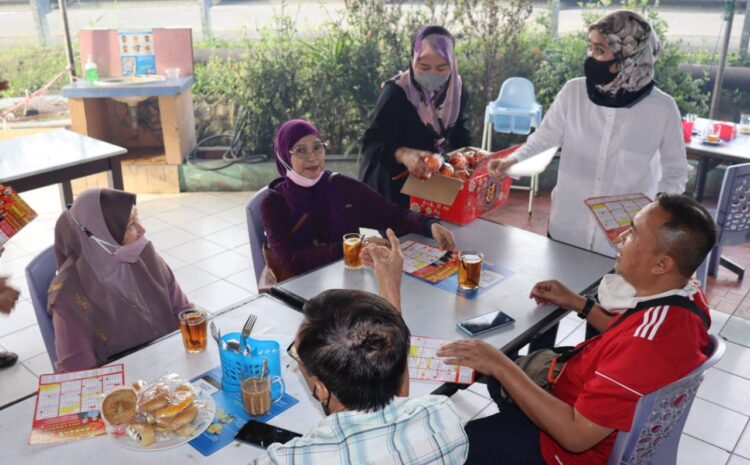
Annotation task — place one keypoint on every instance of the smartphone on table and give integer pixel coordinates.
(484, 323)
(263, 435)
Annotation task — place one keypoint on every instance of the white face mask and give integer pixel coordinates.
(616, 294)
(302, 181)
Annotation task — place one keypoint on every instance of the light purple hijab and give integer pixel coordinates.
(438, 111)
(117, 305)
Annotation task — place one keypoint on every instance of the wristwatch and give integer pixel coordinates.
(586, 308)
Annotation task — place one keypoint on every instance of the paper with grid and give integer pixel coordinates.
(615, 213)
(424, 364)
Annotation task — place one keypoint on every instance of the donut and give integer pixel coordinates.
(118, 407)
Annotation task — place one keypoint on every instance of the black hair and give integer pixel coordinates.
(357, 344)
(689, 234)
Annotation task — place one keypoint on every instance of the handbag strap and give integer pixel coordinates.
(672, 300)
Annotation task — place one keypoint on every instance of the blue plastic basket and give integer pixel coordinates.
(234, 364)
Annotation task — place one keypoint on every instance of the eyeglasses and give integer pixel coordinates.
(318, 149)
(292, 352)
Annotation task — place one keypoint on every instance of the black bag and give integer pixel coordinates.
(544, 366)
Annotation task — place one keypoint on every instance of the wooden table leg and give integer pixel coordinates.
(115, 174)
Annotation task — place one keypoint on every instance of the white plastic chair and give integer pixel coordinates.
(515, 111)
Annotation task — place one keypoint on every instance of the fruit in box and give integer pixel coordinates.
(458, 161)
(433, 163)
(463, 175)
(447, 170)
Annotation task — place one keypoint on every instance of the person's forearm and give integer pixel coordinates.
(392, 293)
(597, 318)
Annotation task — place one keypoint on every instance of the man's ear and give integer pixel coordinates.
(663, 265)
(321, 391)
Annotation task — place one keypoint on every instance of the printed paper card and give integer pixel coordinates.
(428, 262)
(424, 364)
(615, 213)
(14, 213)
(67, 406)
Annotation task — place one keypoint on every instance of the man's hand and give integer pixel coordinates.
(554, 292)
(388, 263)
(8, 297)
(497, 168)
(443, 236)
(473, 353)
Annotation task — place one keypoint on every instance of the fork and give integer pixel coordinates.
(249, 323)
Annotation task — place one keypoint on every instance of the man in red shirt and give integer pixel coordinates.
(659, 339)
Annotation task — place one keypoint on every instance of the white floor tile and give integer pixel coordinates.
(743, 447)
(191, 278)
(181, 215)
(692, 451)
(488, 411)
(169, 238)
(567, 327)
(231, 237)
(17, 382)
(225, 264)
(206, 226)
(39, 365)
(19, 283)
(21, 317)
(715, 424)
(14, 268)
(234, 215)
(718, 319)
(737, 460)
(153, 225)
(727, 390)
(468, 404)
(244, 249)
(217, 296)
(244, 279)
(479, 389)
(173, 262)
(27, 343)
(576, 336)
(736, 360)
(196, 251)
(13, 250)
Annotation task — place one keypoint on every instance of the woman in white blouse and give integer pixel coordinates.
(619, 133)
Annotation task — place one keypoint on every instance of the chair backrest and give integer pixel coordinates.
(517, 92)
(39, 274)
(255, 230)
(733, 211)
(660, 417)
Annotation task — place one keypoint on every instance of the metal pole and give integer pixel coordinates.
(40, 8)
(68, 44)
(206, 17)
(745, 37)
(729, 7)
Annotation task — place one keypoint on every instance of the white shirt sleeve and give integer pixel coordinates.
(550, 132)
(674, 165)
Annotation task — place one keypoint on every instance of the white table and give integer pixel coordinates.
(275, 321)
(434, 312)
(56, 157)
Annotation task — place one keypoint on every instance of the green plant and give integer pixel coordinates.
(27, 68)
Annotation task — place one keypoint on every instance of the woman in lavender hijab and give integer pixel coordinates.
(112, 291)
(309, 209)
(419, 112)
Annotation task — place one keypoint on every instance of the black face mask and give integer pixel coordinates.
(597, 72)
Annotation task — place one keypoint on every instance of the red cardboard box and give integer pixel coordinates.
(457, 201)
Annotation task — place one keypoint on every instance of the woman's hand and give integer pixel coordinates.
(414, 161)
(497, 168)
(473, 353)
(8, 297)
(554, 292)
(443, 236)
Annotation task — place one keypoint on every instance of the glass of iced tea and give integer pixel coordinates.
(469, 269)
(352, 248)
(193, 329)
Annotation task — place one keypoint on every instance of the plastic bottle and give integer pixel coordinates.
(92, 73)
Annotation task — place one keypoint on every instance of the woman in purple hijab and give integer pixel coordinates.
(112, 291)
(419, 112)
(309, 209)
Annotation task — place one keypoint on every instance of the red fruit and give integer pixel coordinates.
(433, 163)
(458, 161)
(463, 175)
(446, 170)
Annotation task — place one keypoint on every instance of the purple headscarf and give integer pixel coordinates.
(116, 305)
(438, 111)
(321, 201)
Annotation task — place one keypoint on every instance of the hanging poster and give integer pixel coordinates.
(137, 55)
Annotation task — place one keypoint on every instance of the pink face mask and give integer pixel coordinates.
(302, 181)
(131, 252)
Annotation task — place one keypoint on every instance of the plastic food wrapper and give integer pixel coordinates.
(166, 411)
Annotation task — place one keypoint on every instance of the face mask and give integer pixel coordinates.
(131, 252)
(302, 181)
(430, 81)
(616, 294)
(597, 72)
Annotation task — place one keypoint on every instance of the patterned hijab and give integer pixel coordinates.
(117, 305)
(635, 46)
(438, 111)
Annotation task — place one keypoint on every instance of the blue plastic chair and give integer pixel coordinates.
(255, 230)
(515, 111)
(39, 274)
(660, 417)
(732, 217)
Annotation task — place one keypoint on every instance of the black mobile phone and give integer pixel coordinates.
(263, 434)
(483, 323)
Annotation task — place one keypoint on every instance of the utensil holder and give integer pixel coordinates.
(234, 364)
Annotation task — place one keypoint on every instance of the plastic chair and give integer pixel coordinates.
(732, 217)
(255, 230)
(515, 111)
(39, 274)
(660, 417)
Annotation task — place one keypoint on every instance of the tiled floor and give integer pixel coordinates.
(203, 238)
